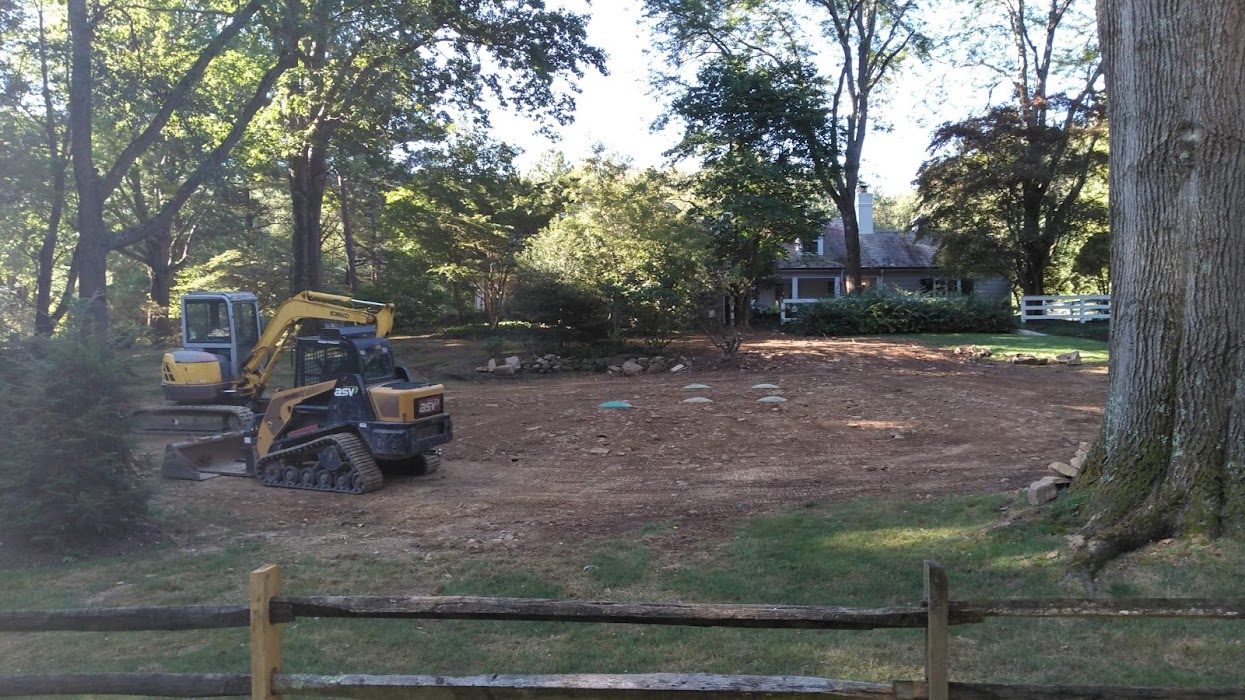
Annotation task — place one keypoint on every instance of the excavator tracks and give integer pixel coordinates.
(194, 420)
(338, 463)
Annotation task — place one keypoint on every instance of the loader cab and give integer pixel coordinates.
(341, 351)
(226, 324)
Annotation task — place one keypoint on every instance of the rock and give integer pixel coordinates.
(973, 351)
(1043, 490)
(660, 358)
(655, 365)
(1023, 359)
(505, 369)
(599, 451)
(1062, 469)
(642, 361)
(551, 357)
(1084, 446)
(614, 369)
(514, 361)
(1077, 463)
(1069, 358)
(482, 369)
(492, 364)
(631, 369)
(698, 399)
(678, 368)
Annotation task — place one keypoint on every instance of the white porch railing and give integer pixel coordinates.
(788, 304)
(1069, 307)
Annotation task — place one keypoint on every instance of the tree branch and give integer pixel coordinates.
(176, 98)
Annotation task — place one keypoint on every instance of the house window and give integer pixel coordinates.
(947, 285)
(817, 246)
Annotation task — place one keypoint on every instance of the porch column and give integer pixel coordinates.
(795, 287)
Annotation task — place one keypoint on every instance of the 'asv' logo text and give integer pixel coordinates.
(345, 391)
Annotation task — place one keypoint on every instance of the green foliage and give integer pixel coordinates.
(626, 260)
(68, 471)
(884, 311)
(420, 296)
(1008, 197)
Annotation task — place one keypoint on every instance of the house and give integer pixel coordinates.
(887, 259)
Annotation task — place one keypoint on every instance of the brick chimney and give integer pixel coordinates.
(864, 210)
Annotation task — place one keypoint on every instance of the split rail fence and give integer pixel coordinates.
(269, 611)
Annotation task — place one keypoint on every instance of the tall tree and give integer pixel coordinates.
(34, 58)
(470, 212)
(748, 125)
(864, 40)
(95, 187)
(387, 71)
(1008, 191)
(1011, 197)
(1171, 456)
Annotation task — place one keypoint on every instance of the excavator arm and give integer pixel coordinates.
(262, 361)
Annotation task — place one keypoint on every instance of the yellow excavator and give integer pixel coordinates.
(351, 415)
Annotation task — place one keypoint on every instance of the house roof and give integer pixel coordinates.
(880, 249)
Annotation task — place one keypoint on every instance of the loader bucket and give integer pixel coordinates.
(207, 457)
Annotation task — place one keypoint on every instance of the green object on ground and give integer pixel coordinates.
(615, 404)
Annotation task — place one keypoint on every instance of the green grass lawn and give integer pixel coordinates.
(864, 553)
(1005, 345)
(1094, 330)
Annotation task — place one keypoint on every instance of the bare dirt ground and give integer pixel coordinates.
(864, 418)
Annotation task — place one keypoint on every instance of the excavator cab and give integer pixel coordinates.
(219, 331)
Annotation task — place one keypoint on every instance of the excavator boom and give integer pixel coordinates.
(261, 363)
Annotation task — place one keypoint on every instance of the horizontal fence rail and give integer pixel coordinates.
(1066, 307)
(684, 614)
(268, 611)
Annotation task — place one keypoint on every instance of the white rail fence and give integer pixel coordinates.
(787, 309)
(1068, 307)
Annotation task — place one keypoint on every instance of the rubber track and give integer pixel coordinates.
(432, 462)
(357, 456)
(243, 415)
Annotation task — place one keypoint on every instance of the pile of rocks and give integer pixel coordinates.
(619, 364)
(1062, 474)
(632, 366)
(973, 352)
(1071, 359)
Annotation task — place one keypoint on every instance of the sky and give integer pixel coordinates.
(618, 110)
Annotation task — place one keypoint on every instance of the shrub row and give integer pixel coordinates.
(880, 312)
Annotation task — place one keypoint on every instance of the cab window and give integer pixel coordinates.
(377, 363)
(207, 321)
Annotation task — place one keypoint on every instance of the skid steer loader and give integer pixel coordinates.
(352, 410)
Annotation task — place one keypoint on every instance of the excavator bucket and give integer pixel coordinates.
(208, 457)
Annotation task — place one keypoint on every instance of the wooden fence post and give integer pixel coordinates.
(265, 636)
(937, 633)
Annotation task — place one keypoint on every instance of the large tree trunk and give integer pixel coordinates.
(1171, 456)
(352, 269)
(161, 272)
(308, 173)
(93, 235)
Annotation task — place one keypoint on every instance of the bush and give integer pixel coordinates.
(884, 311)
(68, 471)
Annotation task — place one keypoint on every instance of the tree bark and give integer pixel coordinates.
(45, 318)
(352, 270)
(308, 174)
(1171, 456)
(93, 238)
